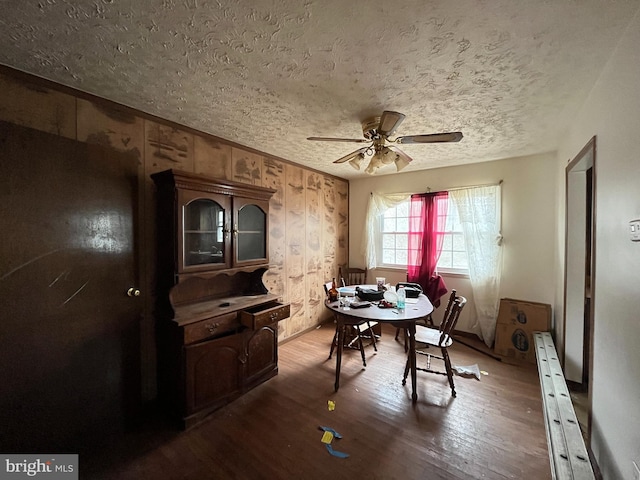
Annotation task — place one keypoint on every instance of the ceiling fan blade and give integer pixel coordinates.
(351, 155)
(431, 138)
(403, 159)
(329, 139)
(389, 121)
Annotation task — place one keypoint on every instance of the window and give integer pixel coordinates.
(394, 235)
(453, 257)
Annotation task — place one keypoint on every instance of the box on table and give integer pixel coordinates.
(517, 320)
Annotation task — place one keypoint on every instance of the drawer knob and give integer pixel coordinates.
(212, 327)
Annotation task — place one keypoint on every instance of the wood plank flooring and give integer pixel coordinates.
(494, 429)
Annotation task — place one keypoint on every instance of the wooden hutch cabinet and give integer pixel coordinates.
(217, 323)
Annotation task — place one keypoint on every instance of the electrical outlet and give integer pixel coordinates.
(634, 230)
(636, 471)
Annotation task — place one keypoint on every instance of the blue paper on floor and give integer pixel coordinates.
(328, 437)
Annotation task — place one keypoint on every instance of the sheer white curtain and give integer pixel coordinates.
(479, 212)
(378, 204)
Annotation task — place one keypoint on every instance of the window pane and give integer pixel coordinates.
(446, 222)
(403, 225)
(403, 209)
(458, 243)
(445, 260)
(459, 260)
(388, 240)
(388, 256)
(389, 225)
(456, 226)
(446, 243)
(402, 241)
(401, 257)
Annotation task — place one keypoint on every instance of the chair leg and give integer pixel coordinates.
(407, 366)
(361, 345)
(447, 365)
(405, 337)
(373, 337)
(357, 339)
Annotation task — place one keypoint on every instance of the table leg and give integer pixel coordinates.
(339, 354)
(412, 360)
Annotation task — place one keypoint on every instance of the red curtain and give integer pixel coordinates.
(427, 219)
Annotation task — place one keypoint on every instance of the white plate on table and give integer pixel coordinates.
(391, 297)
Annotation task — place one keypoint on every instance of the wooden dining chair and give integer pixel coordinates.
(354, 334)
(428, 321)
(352, 276)
(438, 338)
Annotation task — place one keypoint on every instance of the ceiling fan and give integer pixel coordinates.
(376, 132)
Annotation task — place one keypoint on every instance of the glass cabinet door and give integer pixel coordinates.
(251, 233)
(205, 238)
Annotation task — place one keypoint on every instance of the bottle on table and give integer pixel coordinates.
(333, 291)
(402, 299)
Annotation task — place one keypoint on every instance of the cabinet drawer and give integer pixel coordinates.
(258, 317)
(210, 327)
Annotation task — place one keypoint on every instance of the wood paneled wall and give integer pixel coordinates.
(308, 234)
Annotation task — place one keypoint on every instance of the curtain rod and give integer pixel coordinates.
(469, 186)
(500, 182)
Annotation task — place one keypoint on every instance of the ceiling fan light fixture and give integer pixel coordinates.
(387, 156)
(356, 161)
(371, 169)
(401, 162)
(374, 164)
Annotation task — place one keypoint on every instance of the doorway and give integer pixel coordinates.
(577, 333)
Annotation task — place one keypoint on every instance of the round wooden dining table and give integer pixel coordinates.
(417, 310)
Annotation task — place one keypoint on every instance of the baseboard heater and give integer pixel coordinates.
(567, 451)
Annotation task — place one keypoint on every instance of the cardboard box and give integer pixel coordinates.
(517, 320)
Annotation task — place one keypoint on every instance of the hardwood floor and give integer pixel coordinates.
(494, 429)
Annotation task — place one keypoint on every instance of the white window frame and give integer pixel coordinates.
(382, 232)
(399, 266)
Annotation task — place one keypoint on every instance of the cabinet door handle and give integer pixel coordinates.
(235, 229)
(242, 358)
(212, 327)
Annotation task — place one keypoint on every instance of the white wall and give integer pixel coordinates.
(528, 221)
(612, 113)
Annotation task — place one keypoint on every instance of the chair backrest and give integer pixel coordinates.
(327, 286)
(352, 276)
(452, 297)
(451, 318)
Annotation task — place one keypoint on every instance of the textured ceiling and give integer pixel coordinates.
(509, 74)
